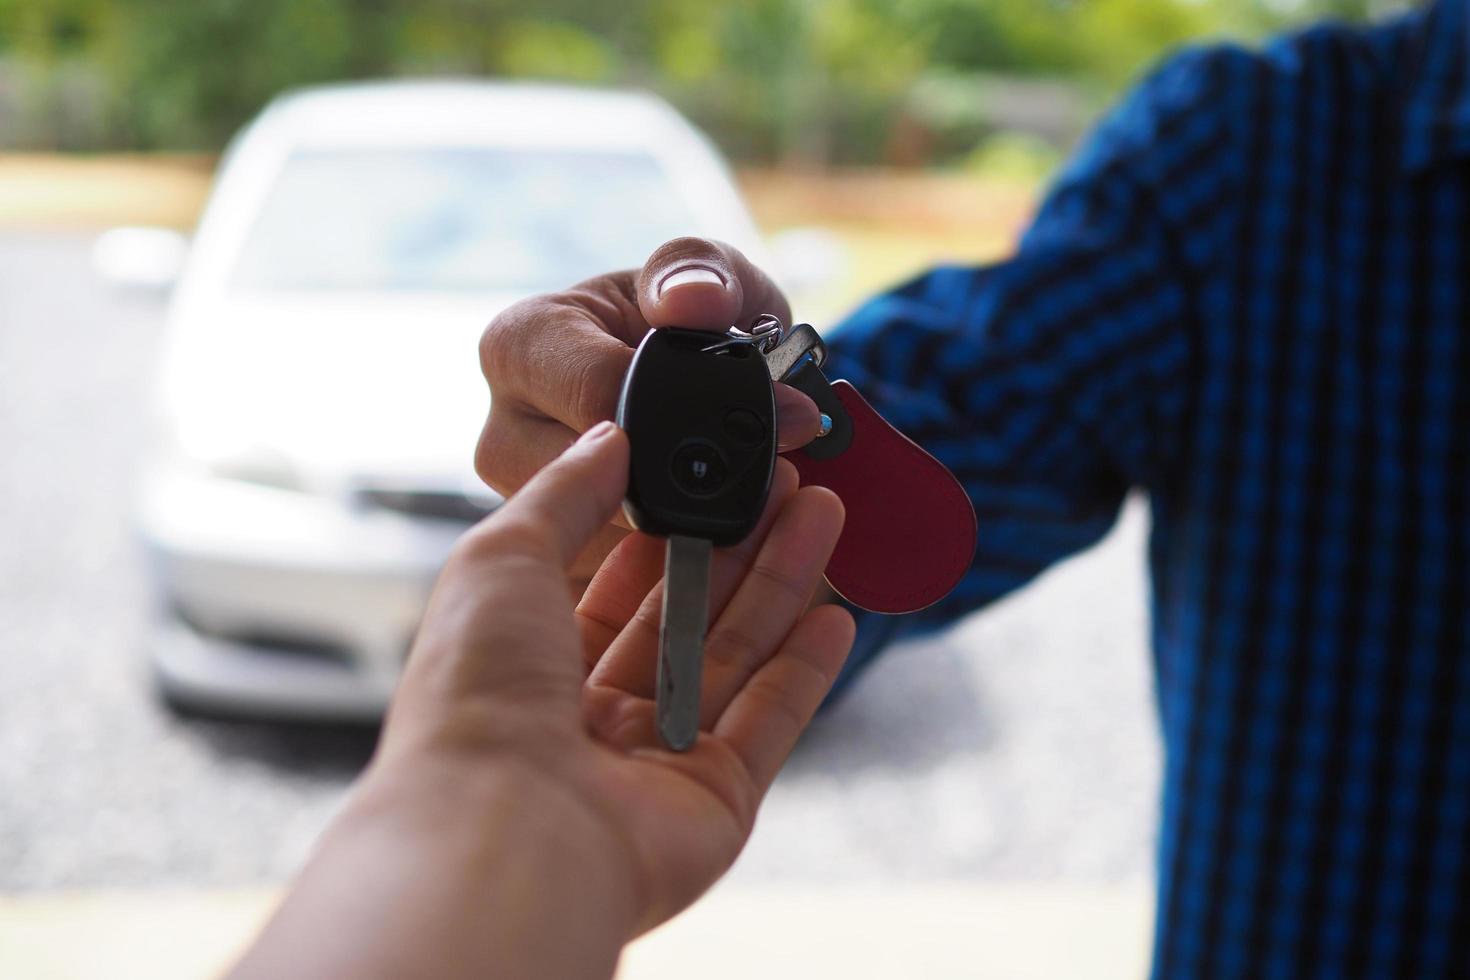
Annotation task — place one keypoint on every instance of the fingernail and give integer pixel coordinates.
(688, 276)
(598, 431)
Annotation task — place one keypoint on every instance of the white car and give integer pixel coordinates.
(321, 389)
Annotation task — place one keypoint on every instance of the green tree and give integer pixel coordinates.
(794, 80)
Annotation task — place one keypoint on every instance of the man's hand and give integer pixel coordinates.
(555, 363)
(520, 817)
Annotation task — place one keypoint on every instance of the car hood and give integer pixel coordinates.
(363, 389)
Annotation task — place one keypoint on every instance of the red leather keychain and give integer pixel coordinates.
(910, 531)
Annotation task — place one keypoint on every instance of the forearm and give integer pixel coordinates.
(532, 886)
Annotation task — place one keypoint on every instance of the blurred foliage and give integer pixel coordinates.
(1014, 156)
(798, 81)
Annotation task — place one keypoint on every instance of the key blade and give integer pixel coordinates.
(681, 640)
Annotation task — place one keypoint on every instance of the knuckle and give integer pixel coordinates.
(648, 618)
(774, 705)
(475, 546)
(780, 581)
(487, 451)
(595, 377)
(494, 451)
(529, 535)
(522, 344)
(501, 339)
(730, 644)
(614, 716)
(601, 709)
(811, 672)
(530, 357)
(627, 723)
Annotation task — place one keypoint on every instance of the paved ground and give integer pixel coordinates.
(1020, 746)
(937, 931)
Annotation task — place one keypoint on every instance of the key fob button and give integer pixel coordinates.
(699, 469)
(745, 428)
(702, 426)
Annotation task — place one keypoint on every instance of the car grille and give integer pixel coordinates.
(278, 642)
(438, 504)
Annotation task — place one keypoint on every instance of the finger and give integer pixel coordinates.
(630, 662)
(556, 514)
(798, 420)
(516, 443)
(618, 719)
(623, 584)
(771, 711)
(616, 591)
(563, 356)
(773, 595)
(585, 567)
(696, 282)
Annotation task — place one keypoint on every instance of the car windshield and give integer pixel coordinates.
(457, 219)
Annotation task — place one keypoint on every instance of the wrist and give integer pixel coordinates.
(479, 871)
(496, 818)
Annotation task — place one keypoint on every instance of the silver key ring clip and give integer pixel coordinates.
(766, 332)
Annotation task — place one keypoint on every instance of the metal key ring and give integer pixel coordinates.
(765, 334)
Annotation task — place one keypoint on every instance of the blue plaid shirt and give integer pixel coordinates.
(1249, 295)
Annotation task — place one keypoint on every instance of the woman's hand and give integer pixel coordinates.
(520, 814)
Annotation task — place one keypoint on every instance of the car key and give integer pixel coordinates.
(700, 415)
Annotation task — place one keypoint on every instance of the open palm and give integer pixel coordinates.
(505, 665)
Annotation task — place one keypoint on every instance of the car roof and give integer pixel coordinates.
(471, 111)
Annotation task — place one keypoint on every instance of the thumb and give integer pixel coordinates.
(499, 620)
(698, 283)
(695, 282)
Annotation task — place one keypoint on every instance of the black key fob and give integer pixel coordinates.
(700, 414)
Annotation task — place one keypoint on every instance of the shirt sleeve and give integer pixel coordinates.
(1054, 381)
